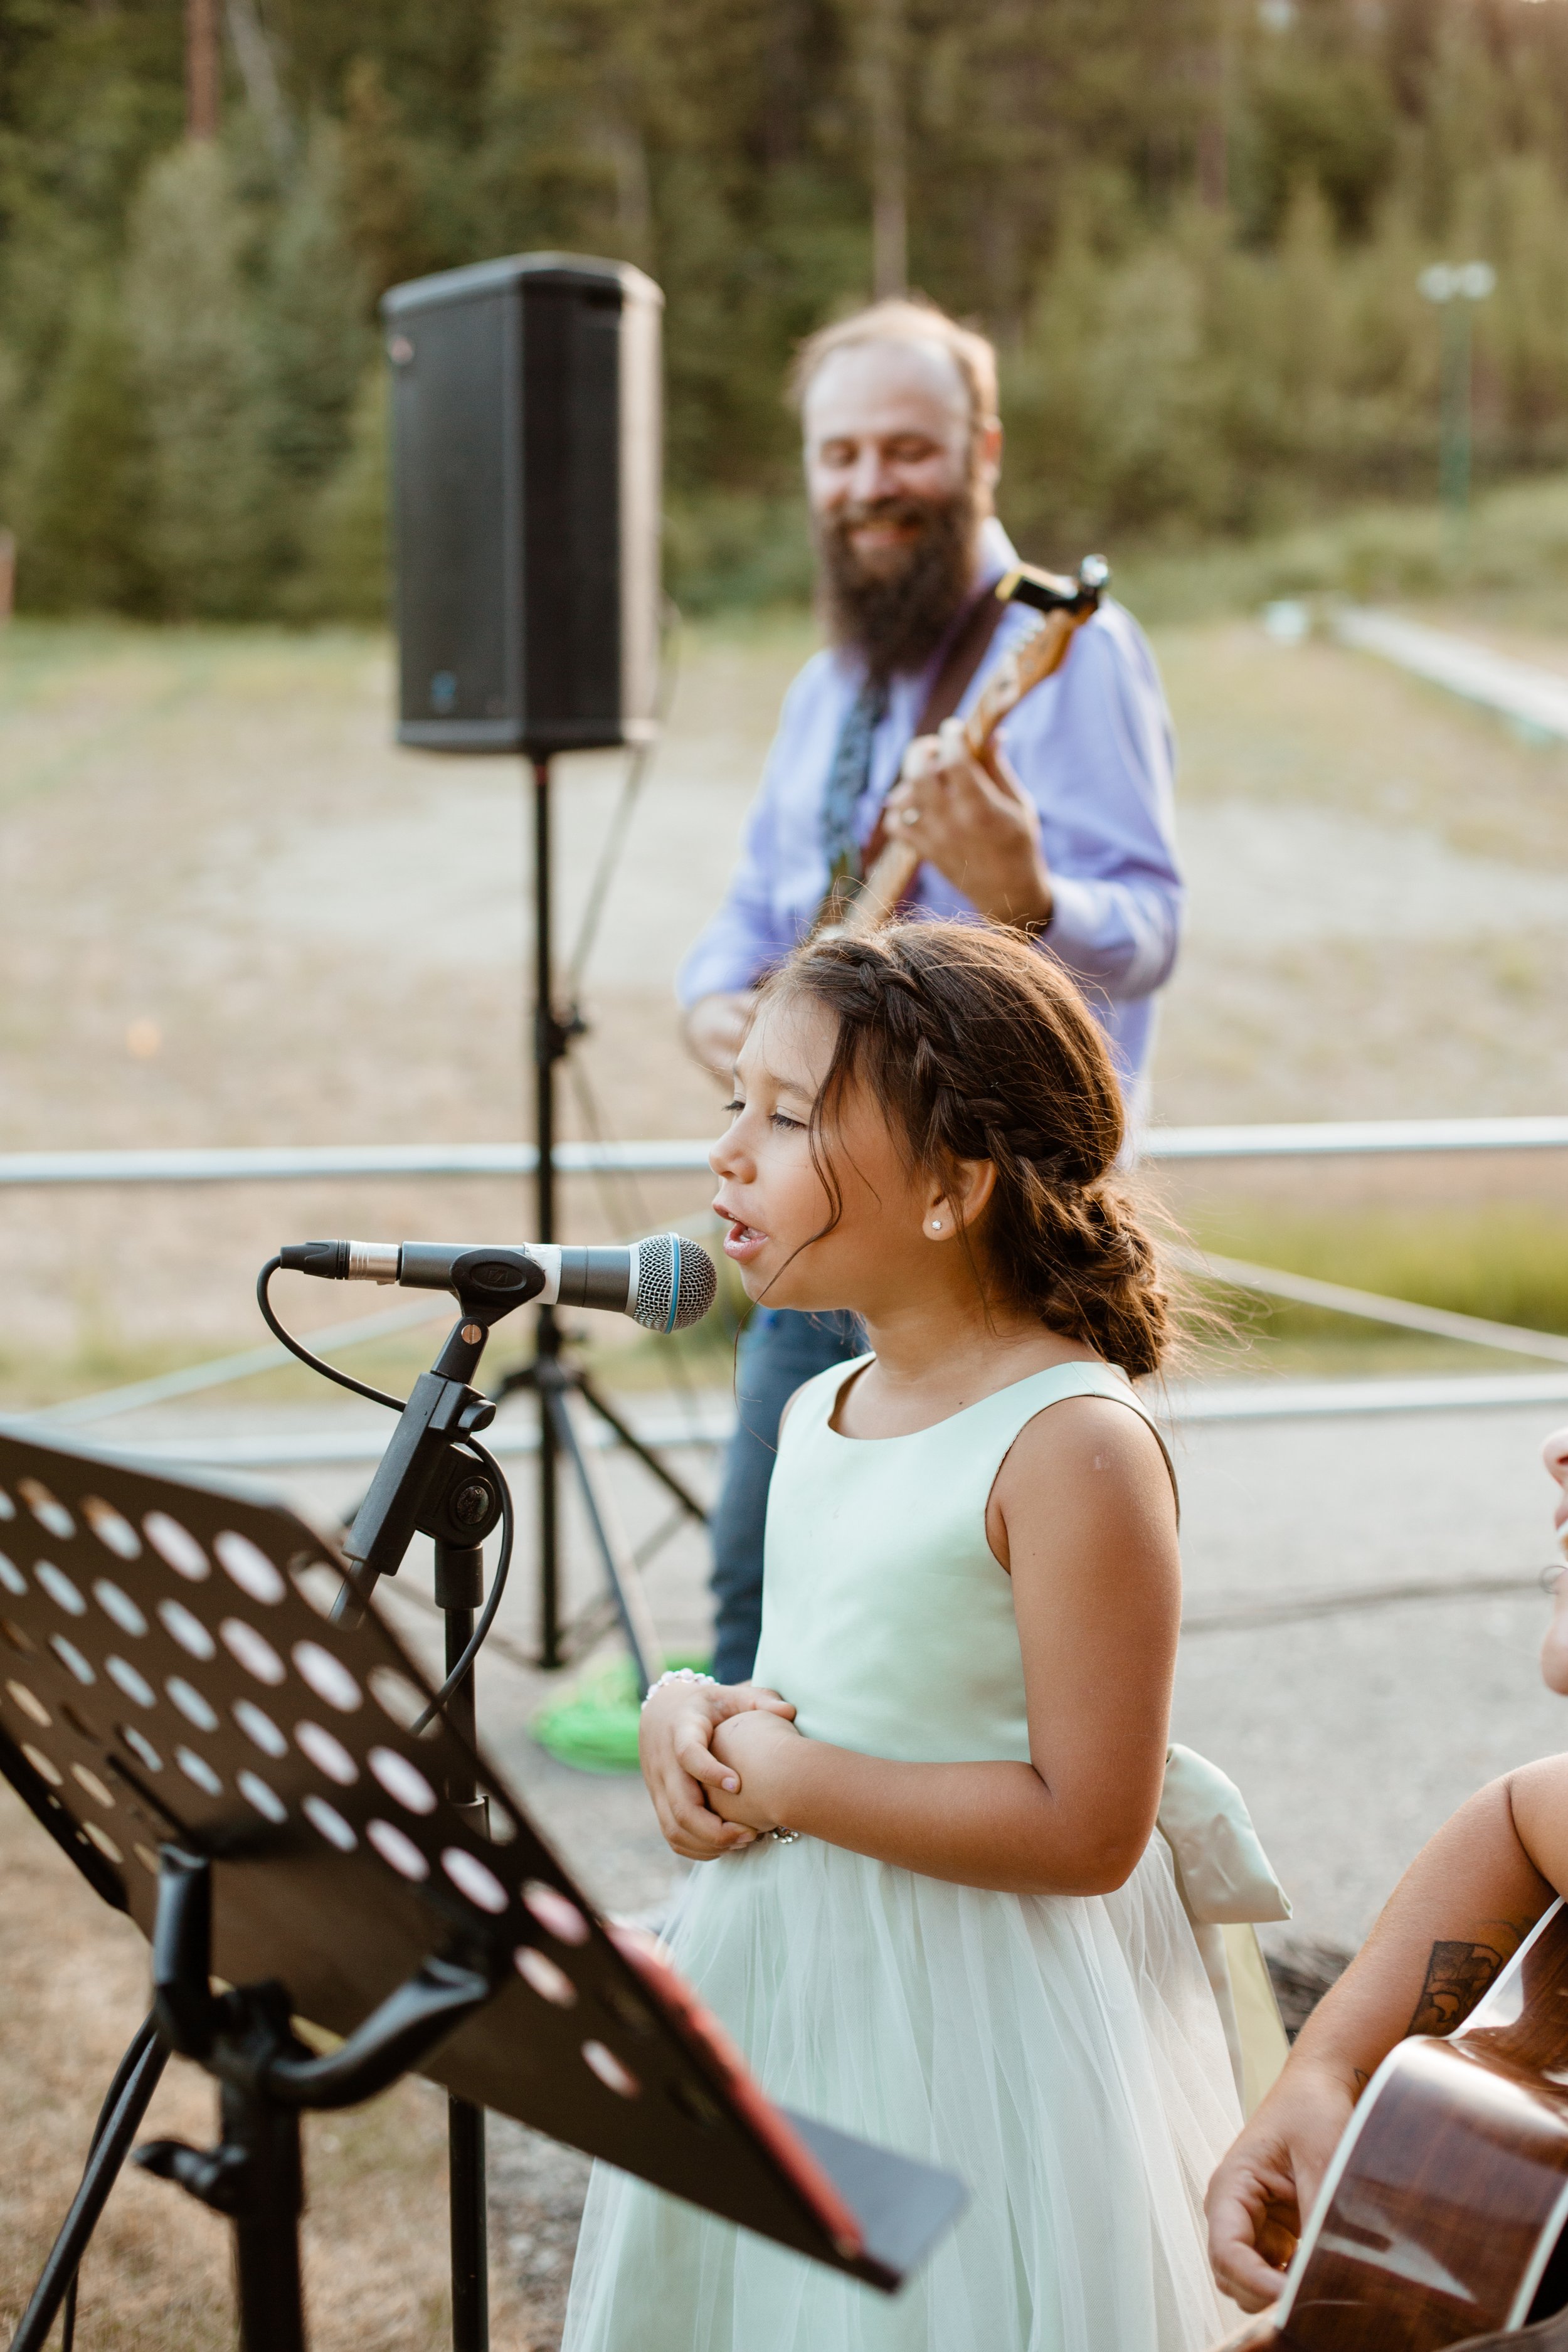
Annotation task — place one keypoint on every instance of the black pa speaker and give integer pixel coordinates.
(525, 474)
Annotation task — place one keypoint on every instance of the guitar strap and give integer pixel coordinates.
(970, 644)
(964, 656)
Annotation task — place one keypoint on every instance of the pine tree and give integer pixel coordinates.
(311, 332)
(384, 204)
(1195, 230)
(344, 576)
(83, 491)
(214, 527)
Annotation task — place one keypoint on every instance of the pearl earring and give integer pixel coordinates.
(936, 1225)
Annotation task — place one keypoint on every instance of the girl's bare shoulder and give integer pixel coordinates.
(1089, 1441)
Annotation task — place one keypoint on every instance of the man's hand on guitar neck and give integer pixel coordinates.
(973, 822)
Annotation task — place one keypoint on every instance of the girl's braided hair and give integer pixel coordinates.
(979, 1048)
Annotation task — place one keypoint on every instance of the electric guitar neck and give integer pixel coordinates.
(1065, 605)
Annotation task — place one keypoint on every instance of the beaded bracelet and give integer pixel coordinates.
(679, 1674)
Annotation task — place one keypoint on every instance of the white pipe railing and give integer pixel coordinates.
(708, 1420)
(315, 1163)
(310, 1163)
(1313, 1138)
(1373, 1307)
(1223, 1401)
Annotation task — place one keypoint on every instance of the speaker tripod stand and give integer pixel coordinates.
(552, 1376)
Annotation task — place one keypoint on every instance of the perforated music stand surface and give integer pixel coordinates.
(167, 1671)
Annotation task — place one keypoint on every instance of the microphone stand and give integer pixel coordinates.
(459, 1590)
(426, 1483)
(552, 1376)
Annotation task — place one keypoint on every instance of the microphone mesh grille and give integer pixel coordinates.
(699, 1284)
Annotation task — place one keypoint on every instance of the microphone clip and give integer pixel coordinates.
(422, 1481)
(488, 1283)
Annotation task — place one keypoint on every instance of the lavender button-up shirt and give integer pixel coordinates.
(1093, 749)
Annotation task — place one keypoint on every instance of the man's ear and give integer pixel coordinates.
(988, 454)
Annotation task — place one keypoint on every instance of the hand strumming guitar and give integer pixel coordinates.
(971, 818)
(1459, 1913)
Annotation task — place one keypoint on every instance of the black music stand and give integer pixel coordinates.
(238, 1772)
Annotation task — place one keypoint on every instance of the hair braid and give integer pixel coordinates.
(979, 1048)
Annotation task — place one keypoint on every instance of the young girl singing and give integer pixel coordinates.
(934, 1913)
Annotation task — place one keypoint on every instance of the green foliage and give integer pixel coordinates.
(343, 571)
(83, 495)
(311, 329)
(212, 532)
(1326, 121)
(1198, 384)
(383, 196)
(1196, 231)
(738, 548)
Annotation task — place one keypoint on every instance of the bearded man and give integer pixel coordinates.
(1063, 829)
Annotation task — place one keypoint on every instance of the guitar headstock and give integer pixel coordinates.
(1066, 604)
(1052, 592)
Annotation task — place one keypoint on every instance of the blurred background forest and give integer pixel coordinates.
(1196, 229)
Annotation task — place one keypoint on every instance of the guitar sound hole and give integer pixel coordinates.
(1551, 2295)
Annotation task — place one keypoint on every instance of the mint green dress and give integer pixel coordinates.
(1063, 2054)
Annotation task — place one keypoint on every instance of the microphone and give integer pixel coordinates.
(664, 1283)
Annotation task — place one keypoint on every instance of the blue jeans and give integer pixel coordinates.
(779, 1348)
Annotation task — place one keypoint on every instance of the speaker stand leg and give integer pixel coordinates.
(550, 1045)
(621, 1574)
(135, 2081)
(547, 1375)
(593, 1396)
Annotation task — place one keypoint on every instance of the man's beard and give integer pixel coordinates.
(895, 620)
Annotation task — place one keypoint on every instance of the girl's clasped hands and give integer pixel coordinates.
(705, 1750)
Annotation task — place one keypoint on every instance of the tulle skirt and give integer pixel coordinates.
(1062, 2054)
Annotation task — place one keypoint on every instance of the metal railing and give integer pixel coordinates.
(1219, 1400)
(349, 1444)
(312, 1164)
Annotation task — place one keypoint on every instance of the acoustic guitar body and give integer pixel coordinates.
(1440, 2216)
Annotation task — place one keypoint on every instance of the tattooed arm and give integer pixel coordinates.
(1457, 1915)
(1458, 1973)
